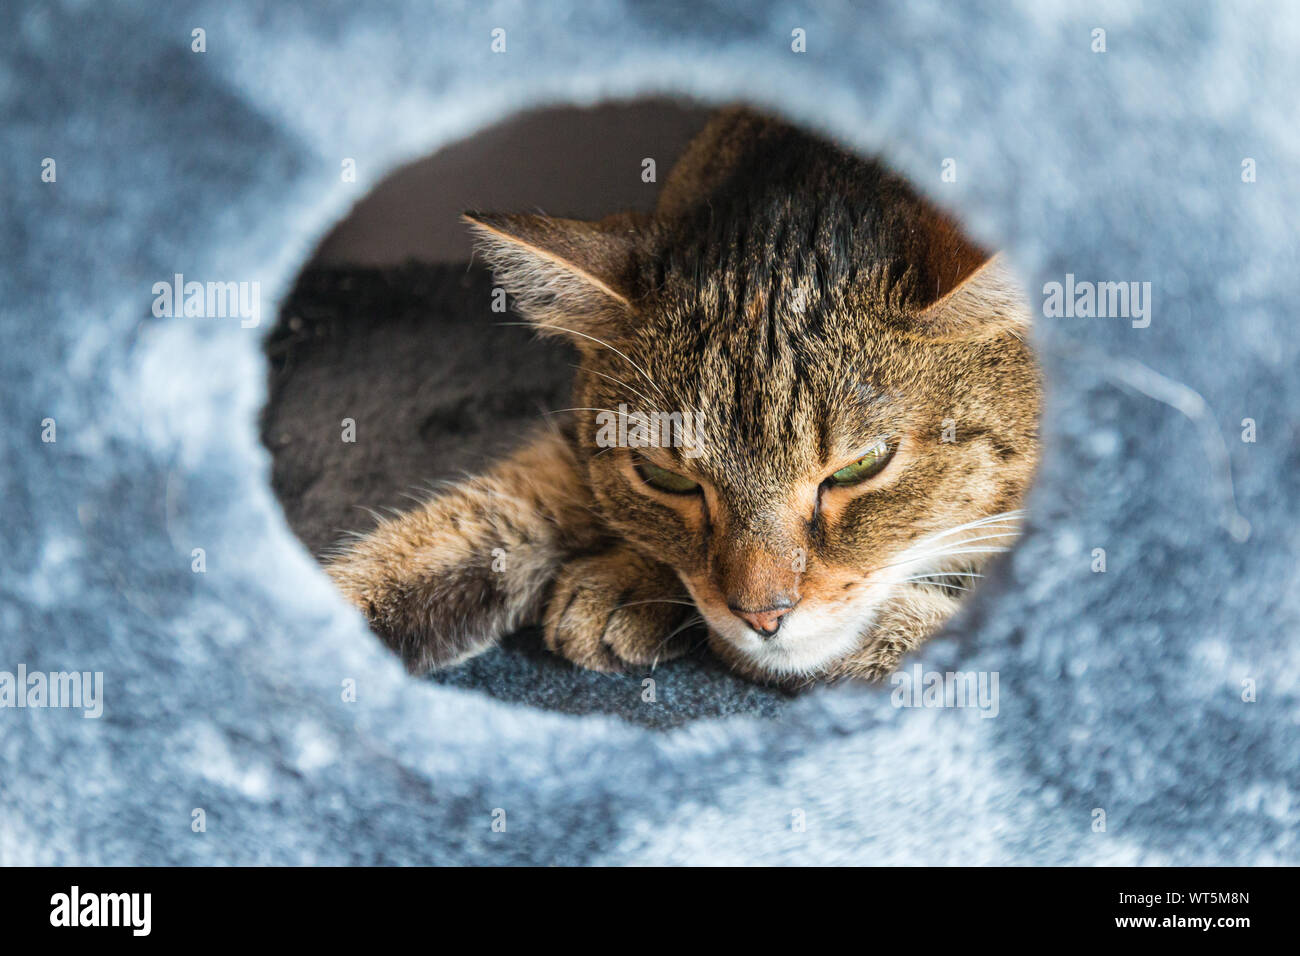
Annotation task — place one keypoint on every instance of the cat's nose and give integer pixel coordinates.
(767, 621)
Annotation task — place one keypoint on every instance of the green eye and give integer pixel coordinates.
(865, 467)
(666, 480)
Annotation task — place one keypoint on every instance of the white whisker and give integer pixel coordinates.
(642, 372)
(946, 586)
(999, 518)
(560, 411)
(939, 554)
(616, 381)
(655, 601)
(986, 537)
(944, 574)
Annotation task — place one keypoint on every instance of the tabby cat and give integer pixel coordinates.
(852, 426)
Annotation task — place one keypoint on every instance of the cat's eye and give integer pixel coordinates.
(666, 480)
(868, 466)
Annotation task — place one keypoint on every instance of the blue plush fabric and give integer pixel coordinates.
(1120, 691)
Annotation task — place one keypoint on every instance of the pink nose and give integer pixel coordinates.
(766, 622)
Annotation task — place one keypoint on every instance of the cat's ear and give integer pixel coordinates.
(986, 301)
(975, 295)
(564, 275)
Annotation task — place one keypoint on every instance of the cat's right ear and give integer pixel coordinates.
(986, 301)
(564, 275)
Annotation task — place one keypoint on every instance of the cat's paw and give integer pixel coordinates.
(617, 610)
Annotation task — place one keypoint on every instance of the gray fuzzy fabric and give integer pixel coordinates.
(223, 691)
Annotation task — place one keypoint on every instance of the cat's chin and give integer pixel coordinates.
(797, 653)
(810, 640)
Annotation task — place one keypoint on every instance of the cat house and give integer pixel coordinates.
(1141, 633)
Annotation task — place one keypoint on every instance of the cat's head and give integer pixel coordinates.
(796, 380)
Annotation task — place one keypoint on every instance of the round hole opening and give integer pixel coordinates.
(808, 389)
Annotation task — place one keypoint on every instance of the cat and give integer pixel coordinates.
(863, 410)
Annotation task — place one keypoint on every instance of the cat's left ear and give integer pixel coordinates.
(564, 275)
(975, 294)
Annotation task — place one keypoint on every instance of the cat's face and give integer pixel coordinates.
(850, 404)
(802, 463)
